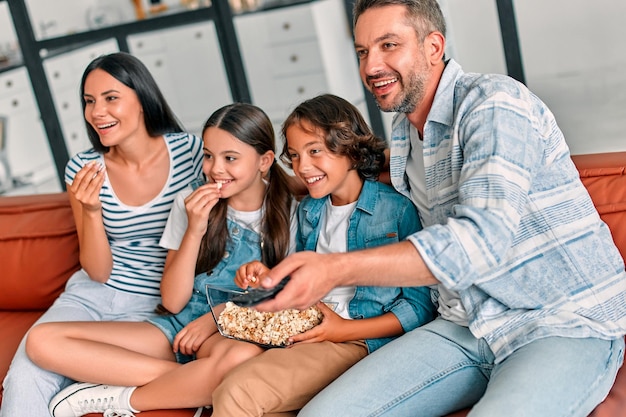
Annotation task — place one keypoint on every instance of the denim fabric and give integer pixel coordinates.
(445, 377)
(509, 224)
(243, 246)
(381, 216)
(27, 388)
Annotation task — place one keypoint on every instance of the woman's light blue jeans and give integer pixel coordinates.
(27, 388)
(440, 368)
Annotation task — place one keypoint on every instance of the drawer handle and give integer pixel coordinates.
(9, 83)
(66, 105)
(158, 63)
(301, 90)
(293, 58)
(198, 35)
(15, 103)
(286, 26)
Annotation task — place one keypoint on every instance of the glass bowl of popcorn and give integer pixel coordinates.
(266, 329)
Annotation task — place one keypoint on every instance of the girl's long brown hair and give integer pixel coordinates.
(250, 124)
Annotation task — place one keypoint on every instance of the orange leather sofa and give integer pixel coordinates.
(39, 252)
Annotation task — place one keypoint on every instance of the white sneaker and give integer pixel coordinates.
(84, 398)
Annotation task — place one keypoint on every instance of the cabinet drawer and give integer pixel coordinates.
(14, 81)
(75, 135)
(193, 33)
(291, 24)
(68, 105)
(294, 90)
(61, 74)
(66, 70)
(83, 56)
(297, 58)
(145, 43)
(16, 103)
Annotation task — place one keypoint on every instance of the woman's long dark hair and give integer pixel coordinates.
(345, 133)
(250, 125)
(130, 71)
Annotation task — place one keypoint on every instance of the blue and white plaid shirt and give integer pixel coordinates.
(509, 225)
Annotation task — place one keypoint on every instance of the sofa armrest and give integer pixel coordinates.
(38, 250)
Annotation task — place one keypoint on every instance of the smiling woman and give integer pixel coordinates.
(121, 192)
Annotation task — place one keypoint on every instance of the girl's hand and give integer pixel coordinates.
(198, 206)
(87, 184)
(250, 274)
(332, 328)
(191, 337)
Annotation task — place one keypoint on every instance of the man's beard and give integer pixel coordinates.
(411, 95)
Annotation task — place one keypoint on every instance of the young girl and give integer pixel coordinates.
(331, 149)
(242, 214)
(121, 192)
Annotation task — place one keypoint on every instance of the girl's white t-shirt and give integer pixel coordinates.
(177, 222)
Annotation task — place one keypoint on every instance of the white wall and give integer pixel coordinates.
(574, 58)
(576, 62)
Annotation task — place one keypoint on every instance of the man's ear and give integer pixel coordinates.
(434, 46)
(267, 159)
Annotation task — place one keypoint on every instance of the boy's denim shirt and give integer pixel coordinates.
(381, 216)
(509, 224)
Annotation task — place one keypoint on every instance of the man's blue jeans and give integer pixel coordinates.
(441, 367)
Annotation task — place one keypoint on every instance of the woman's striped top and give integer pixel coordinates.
(134, 232)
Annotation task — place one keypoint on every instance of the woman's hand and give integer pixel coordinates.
(332, 328)
(191, 337)
(198, 206)
(250, 274)
(87, 184)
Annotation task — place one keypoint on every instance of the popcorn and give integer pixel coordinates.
(266, 328)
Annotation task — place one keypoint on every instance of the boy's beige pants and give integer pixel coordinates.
(279, 382)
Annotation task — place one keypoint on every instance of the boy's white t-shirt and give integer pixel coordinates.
(333, 239)
(450, 306)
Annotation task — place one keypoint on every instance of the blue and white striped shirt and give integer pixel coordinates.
(134, 232)
(509, 225)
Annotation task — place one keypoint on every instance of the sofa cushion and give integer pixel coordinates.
(33, 275)
(604, 175)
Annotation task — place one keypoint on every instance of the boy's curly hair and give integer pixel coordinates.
(345, 132)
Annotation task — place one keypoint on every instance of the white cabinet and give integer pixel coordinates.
(64, 73)
(297, 52)
(187, 64)
(24, 148)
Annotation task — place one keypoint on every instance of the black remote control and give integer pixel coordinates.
(257, 295)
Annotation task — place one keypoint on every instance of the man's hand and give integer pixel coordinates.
(312, 277)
